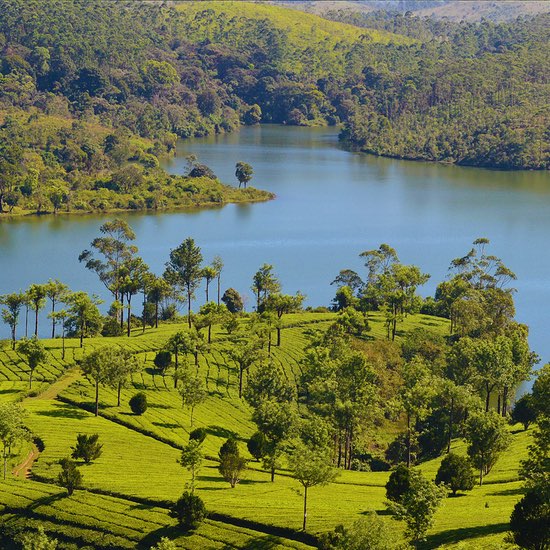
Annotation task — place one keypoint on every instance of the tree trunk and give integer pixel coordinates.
(498, 403)
(119, 389)
(505, 401)
(450, 426)
(207, 283)
(481, 476)
(97, 398)
(218, 290)
(36, 322)
(156, 315)
(26, 321)
(122, 311)
(305, 508)
(129, 318)
(273, 471)
(278, 336)
(209, 334)
(30, 379)
(13, 338)
(488, 397)
(63, 344)
(53, 319)
(189, 308)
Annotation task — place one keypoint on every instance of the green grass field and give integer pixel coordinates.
(139, 466)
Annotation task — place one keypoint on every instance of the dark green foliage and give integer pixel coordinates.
(257, 445)
(398, 483)
(230, 467)
(189, 510)
(233, 300)
(198, 434)
(229, 447)
(70, 476)
(397, 449)
(456, 472)
(87, 448)
(530, 521)
(138, 403)
(162, 360)
(524, 411)
(111, 327)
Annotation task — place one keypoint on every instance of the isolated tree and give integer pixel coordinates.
(487, 437)
(231, 463)
(209, 314)
(97, 366)
(417, 506)
(243, 173)
(523, 411)
(70, 476)
(189, 510)
(87, 448)
(191, 458)
(184, 270)
(264, 283)
(133, 276)
(56, 292)
(38, 540)
(281, 304)
(456, 473)
(37, 298)
(192, 392)
(233, 301)
(217, 264)
(12, 429)
(10, 314)
(138, 403)
(311, 467)
(34, 352)
(84, 314)
(163, 359)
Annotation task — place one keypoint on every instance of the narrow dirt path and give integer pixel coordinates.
(51, 392)
(24, 469)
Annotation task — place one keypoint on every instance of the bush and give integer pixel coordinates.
(69, 477)
(162, 361)
(138, 403)
(198, 434)
(456, 472)
(189, 510)
(530, 521)
(87, 448)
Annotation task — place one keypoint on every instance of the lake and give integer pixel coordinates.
(331, 205)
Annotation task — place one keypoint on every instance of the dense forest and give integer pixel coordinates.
(92, 94)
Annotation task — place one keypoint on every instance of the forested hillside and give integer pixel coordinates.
(93, 93)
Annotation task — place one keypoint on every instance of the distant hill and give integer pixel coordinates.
(454, 10)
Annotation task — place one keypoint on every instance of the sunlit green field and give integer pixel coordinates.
(140, 454)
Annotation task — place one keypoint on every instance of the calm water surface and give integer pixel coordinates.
(330, 206)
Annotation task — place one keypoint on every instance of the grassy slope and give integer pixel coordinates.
(139, 466)
(304, 29)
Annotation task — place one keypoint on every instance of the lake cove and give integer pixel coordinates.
(331, 205)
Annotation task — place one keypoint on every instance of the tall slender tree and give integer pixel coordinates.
(184, 270)
(37, 298)
(10, 314)
(56, 291)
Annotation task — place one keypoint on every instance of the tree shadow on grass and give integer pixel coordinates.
(218, 431)
(456, 535)
(47, 501)
(383, 512)
(167, 425)
(520, 491)
(63, 410)
(158, 406)
(7, 391)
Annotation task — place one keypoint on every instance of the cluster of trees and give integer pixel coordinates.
(87, 112)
